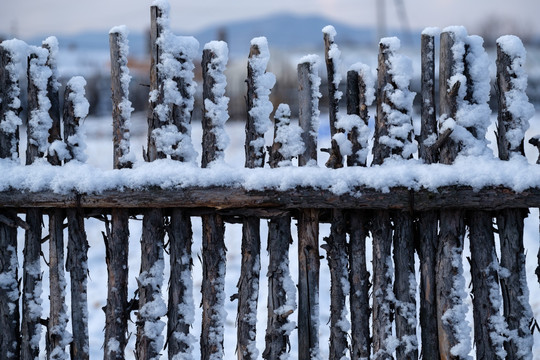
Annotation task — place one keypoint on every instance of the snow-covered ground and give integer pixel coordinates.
(99, 142)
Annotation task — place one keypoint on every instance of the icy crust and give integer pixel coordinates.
(398, 116)
(33, 302)
(477, 172)
(39, 121)
(125, 105)
(315, 82)
(288, 135)
(432, 31)
(473, 113)
(516, 98)
(217, 111)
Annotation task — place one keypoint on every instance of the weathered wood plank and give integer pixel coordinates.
(10, 107)
(55, 132)
(451, 197)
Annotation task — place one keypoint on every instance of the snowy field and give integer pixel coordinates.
(99, 142)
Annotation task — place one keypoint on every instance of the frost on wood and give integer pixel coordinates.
(393, 129)
(122, 108)
(259, 107)
(515, 110)
(470, 83)
(215, 139)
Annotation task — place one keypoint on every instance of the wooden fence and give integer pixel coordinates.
(404, 220)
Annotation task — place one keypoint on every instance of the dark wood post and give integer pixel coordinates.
(449, 271)
(308, 117)
(213, 242)
(308, 220)
(428, 221)
(10, 106)
(156, 95)
(77, 259)
(31, 315)
(516, 308)
(55, 133)
(117, 246)
(358, 229)
(57, 336)
(389, 143)
(331, 57)
(281, 289)
(180, 341)
(258, 112)
(336, 243)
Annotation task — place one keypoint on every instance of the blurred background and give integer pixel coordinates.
(293, 29)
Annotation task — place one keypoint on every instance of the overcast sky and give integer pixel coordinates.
(26, 18)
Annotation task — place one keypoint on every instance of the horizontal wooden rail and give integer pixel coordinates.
(220, 198)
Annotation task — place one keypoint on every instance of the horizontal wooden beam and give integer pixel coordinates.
(270, 201)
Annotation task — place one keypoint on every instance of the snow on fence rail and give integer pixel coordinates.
(407, 205)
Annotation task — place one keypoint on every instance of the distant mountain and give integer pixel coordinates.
(286, 32)
(283, 31)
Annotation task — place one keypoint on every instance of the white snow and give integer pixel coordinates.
(288, 135)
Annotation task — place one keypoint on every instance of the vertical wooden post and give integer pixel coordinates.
(57, 336)
(487, 320)
(117, 246)
(55, 133)
(31, 315)
(213, 242)
(516, 308)
(336, 243)
(77, 265)
(428, 221)
(358, 230)
(156, 96)
(180, 307)
(380, 150)
(308, 117)
(281, 289)
(381, 233)
(449, 271)
(9, 291)
(10, 106)
(77, 259)
(331, 58)
(308, 220)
